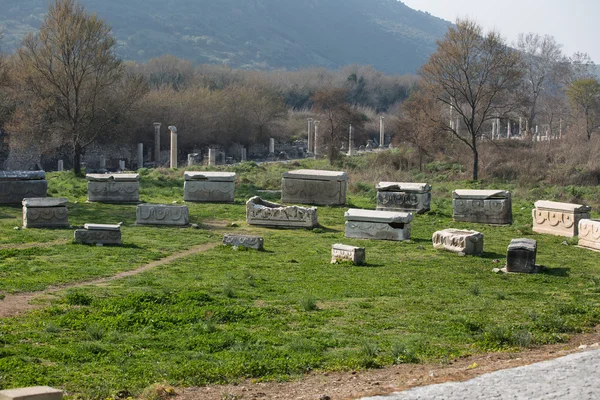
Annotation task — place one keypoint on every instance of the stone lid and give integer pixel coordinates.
(480, 194)
(459, 232)
(403, 187)
(355, 214)
(316, 175)
(32, 392)
(102, 227)
(115, 177)
(44, 201)
(345, 247)
(564, 207)
(209, 176)
(162, 205)
(523, 244)
(22, 175)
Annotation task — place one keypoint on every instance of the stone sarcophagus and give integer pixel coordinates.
(311, 186)
(31, 393)
(458, 241)
(45, 212)
(218, 187)
(113, 188)
(560, 219)
(251, 242)
(402, 196)
(371, 224)
(482, 206)
(520, 256)
(99, 234)
(161, 214)
(266, 213)
(342, 252)
(589, 234)
(17, 185)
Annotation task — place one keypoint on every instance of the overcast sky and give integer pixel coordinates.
(573, 23)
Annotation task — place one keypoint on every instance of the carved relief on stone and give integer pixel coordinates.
(113, 188)
(266, 213)
(99, 233)
(589, 234)
(560, 219)
(342, 252)
(458, 241)
(18, 185)
(209, 186)
(161, 214)
(403, 196)
(314, 187)
(252, 242)
(482, 206)
(371, 224)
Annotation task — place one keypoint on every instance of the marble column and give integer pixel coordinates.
(173, 157)
(102, 163)
(61, 165)
(316, 144)
(122, 165)
(212, 156)
(157, 143)
(244, 154)
(271, 146)
(381, 132)
(140, 155)
(310, 136)
(351, 150)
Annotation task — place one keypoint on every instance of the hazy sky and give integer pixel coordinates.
(573, 23)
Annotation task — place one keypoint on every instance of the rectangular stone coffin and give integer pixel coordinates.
(218, 187)
(99, 233)
(520, 256)
(161, 214)
(266, 213)
(482, 206)
(560, 219)
(371, 224)
(589, 234)
(31, 393)
(342, 252)
(402, 196)
(18, 185)
(45, 212)
(458, 241)
(311, 186)
(252, 242)
(113, 188)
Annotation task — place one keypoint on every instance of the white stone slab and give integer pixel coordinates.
(22, 175)
(480, 194)
(408, 187)
(266, 213)
(209, 176)
(31, 393)
(112, 177)
(563, 207)
(342, 252)
(589, 234)
(41, 202)
(316, 174)
(386, 217)
(458, 241)
(102, 227)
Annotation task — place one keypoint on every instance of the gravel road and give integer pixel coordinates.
(573, 377)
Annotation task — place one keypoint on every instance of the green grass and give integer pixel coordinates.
(224, 315)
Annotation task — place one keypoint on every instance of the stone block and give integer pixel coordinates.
(252, 242)
(218, 187)
(17, 185)
(309, 186)
(113, 188)
(31, 393)
(403, 196)
(520, 256)
(458, 241)
(45, 212)
(161, 214)
(482, 206)
(560, 219)
(342, 252)
(384, 225)
(266, 213)
(589, 234)
(99, 233)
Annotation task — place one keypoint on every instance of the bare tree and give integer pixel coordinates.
(73, 76)
(584, 96)
(472, 74)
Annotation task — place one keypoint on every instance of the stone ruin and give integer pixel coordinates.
(266, 213)
(402, 196)
(113, 188)
(31, 393)
(251, 242)
(310, 186)
(521, 255)
(458, 241)
(560, 219)
(371, 224)
(342, 252)
(45, 212)
(492, 207)
(200, 186)
(99, 234)
(17, 185)
(589, 234)
(161, 214)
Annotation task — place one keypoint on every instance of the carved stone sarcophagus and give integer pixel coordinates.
(45, 212)
(18, 185)
(342, 252)
(482, 206)
(458, 241)
(251, 242)
(589, 234)
(266, 213)
(113, 188)
(521, 255)
(560, 219)
(161, 214)
(99, 234)
(371, 224)
(217, 187)
(311, 186)
(403, 196)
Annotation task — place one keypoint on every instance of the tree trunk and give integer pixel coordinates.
(77, 159)
(475, 164)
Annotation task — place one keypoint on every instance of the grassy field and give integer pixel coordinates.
(224, 315)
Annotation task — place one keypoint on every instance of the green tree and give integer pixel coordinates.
(584, 96)
(73, 77)
(472, 75)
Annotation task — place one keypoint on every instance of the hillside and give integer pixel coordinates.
(255, 34)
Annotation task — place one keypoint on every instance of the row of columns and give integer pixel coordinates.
(313, 140)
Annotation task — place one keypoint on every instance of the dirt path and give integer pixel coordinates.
(16, 304)
(357, 384)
